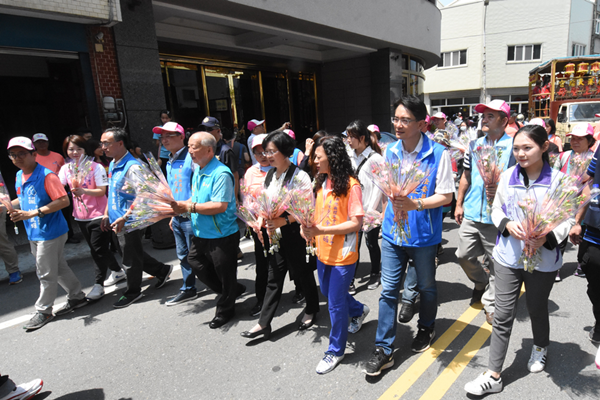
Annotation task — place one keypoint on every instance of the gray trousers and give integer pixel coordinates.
(7, 248)
(508, 286)
(478, 239)
(52, 270)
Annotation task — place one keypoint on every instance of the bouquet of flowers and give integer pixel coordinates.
(248, 212)
(145, 212)
(461, 143)
(579, 163)
(538, 218)
(487, 158)
(372, 219)
(5, 200)
(302, 206)
(554, 157)
(78, 172)
(270, 205)
(399, 179)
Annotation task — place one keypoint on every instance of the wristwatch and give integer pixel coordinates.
(40, 213)
(287, 220)
(420, 205)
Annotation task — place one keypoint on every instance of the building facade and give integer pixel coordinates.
(488, 50)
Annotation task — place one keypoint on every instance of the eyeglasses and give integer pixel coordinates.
(106, 144)
(21, 154)
(171, 136)
(402, 121)
(270, 153)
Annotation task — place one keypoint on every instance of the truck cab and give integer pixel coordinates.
(570, 114)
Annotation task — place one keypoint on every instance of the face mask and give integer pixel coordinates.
(463, 128)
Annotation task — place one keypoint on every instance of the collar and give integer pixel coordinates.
(212, 160)
(365, 153)
(545, 177)
(417, 149)
(501, 138)
(173, 157)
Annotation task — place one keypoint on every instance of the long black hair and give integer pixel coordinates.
(340, 166)
(358, 129)
(538, 135)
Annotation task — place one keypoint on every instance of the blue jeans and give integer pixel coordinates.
(394, 261)
(409, 295)
(182, 229)
(334, 281)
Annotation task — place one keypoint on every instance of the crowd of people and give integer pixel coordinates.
(204, 177)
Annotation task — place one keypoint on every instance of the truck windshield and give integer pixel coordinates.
(584, 112)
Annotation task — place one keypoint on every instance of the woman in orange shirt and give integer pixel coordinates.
(337, 191)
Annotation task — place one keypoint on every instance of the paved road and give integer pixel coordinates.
(151, 351)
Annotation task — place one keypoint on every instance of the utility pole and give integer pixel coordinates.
(484, 91)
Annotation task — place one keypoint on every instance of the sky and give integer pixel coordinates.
(446, 2)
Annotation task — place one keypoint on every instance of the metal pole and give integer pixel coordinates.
(484, 92)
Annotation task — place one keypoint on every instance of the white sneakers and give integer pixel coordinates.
(328, 363)
(96, 293)
(24, 391)
(537, 361)
(484, 384)
(114, 278)
(357, 322)
(598, 358)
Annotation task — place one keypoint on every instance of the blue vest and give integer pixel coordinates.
(294, 157)
(179, 176)
(475, 200)
(219, 225)
(119, 202)
(32, 195)
(425, 226)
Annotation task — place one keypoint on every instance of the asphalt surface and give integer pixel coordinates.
(151, 351)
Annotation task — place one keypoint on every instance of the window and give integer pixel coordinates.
(578, 49)
(454, 58)
(597, 28)
(527, 52)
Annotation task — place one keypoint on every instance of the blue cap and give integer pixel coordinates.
(211, 122)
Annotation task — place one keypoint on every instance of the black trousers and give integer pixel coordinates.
(589, 259)
(262, 265)
(292, 255)
(214, 261)
(99, 242)
(372, 238)
(136, 261)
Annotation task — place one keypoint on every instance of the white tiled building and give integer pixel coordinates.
(79, 11)
(519, 35)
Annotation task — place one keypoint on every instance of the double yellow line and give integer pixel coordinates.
(449, 375)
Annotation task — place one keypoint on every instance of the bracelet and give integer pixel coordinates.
(420, 205)
(40, 213)
(190, 208)
(287, 221)
(194, 208)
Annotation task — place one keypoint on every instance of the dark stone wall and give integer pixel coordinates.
(380, 89)
(139, 67)
(346, 93)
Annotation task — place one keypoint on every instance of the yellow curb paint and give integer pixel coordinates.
(444, 381)
(413, 373)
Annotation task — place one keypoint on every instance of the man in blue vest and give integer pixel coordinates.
(212, 253)
(180, 169)
(477, 233)
(424, 210)
(40, 197)
(115, 143)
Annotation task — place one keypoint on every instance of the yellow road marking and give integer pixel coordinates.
(444, 381)
(413, 373)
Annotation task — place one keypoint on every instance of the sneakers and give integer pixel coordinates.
(357, 322)
(127, 300)
(423, 340)
(15, 278)
(328, 363)
(484, 384)
(352, 288)
(557, 278)
(579, 272)
(161, 280)
(70, 306)
(182, 297)
(378, 362)
(96, 293)
(374, 282)
(25, 391)
(114, 278)
(594, 336)
(38, 320)
(537, 361)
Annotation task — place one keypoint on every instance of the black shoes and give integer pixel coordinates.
(298, 297)
(182, 297)
(161, 280)
(378, 362)
(305, 325)
(477, 295)
(352, 288)
(594, 336)
(127, 300)
(406, 312)
(423, 339)
(218, 322)
(255, 311)
(241, 290)
(70, 306)
(264, 332)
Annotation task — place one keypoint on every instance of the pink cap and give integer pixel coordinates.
(253, 123)
(439, 114)
(495, 105)
(582, 129)
(40, 136)
(373, 128)
(537, 121)
(21, 141)
(290, 133)
(168, 127)
(258, 140)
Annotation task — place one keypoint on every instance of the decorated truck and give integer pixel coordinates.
(567, 90)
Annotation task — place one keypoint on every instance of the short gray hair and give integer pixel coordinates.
(207, 140)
